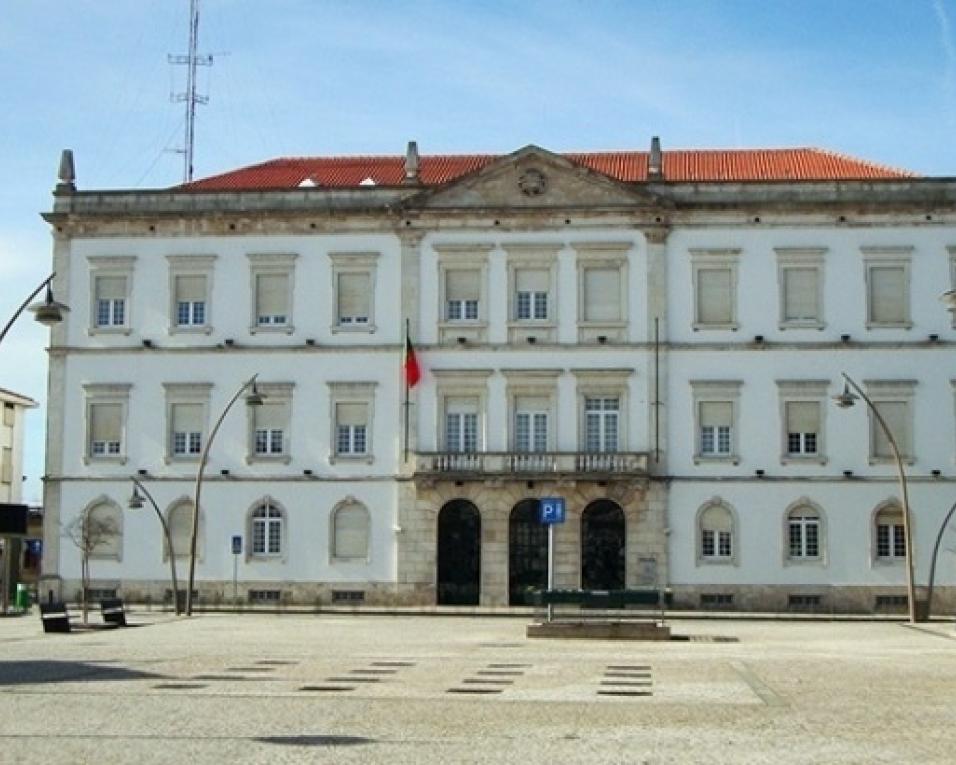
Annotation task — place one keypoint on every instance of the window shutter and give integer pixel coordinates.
(6, 465)
(895, 415)
(602, 294)
(354, 295)
(190, 288)
(271, 416)
(106, 422)
(351, 532)
(716, 519)
(887, 294)
(889, 516)
(532, 404)
(532, 280)
(461, 405)
(187, 418)
(714, 304)
(110, 287)
(272, 291)
(462, 285)
(351, 414)
(800, 294)
(803, 416)
(715, 414)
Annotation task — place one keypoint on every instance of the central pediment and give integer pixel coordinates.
(533, 178)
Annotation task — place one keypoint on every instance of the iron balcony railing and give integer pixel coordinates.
(479, 464)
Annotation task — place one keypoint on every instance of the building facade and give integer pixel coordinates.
(19, 560)
(654, 336)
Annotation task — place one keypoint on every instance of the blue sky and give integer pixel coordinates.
(874, 78)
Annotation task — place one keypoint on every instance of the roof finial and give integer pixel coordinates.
(66, 177)
(411, 164)
(655, 163)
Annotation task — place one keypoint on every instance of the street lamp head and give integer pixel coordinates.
(846, 399)
(255, 398)
(49, 312)
(135, 501)
(949, 298)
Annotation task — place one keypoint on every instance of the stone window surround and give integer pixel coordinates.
(463, 257)
(344, 262)
(190, 265)
(272, 392)
(283, 555)
(538, 257)
(801, 257)
(106, 393)
(707, 258)
(337, 560)
(892, 390)
(792, 509)
(796, 391)
(185, 393)
(889, 504)
(719, 391)
(268, 264)
(900, 256)
(604, 383)
(181, 501)
(103, 499)
(542, 383)
(111, 265)
(352, 393)
(734, 558)
(611, 255)
(461, 383)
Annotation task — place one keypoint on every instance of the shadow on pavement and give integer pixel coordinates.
(31, 672)
(315, 740)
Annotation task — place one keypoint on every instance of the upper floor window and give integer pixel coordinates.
(352, 408)
(800, 273)
(803, 427)
(715, 411)
(461, 424)
(353, 274)
(190, 278)
(6, 465)
(270, 423)
(272, 291)
(602, 290)
(715, 288)
(190, 300)
(893, 399)
(9, 414)
(531, 295)
(531, 423)
(887, 286)
(602, 420)
(110, 301)
(462, 294)
(111, 282)
(106, 407)
(462, 291)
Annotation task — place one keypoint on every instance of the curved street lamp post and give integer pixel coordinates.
(253, 399)
(847, 399)
(135, 503)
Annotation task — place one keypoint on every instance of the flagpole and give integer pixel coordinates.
(405, 375)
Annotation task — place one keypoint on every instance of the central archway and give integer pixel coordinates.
(527, 552)
(459, 554)
(602, 546)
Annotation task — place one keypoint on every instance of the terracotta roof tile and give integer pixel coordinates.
(695, 165)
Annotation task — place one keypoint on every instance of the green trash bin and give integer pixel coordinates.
(23, 597)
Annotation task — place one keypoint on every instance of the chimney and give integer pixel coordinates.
(655, 163)
(411, 164)
(66, 178)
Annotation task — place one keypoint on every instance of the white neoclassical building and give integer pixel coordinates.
(654, 336)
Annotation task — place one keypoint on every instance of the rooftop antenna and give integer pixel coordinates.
(191, 60)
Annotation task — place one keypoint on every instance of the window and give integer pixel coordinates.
(601, 418)
(893, 399)
(531, 295)
(800, 273)
(353, 274)
(803, 418)
(715, 288)
(462, 294)
(179, 518)
(111, 278)
(803, 534)
(351, 427)
(531, 423)
(715, 414)
(190, 277)
(602, 290)
(461, 406)
(106, 407)
(462, 280)
(267, 521)
(461, 424)
(715, 523)
(350, 531)
(102, 530)
(887, 287)
(270, 423)
(802, 408)
(110, 301)
(272, 291)
(186, 405)
(190, 300)
(6, 465)
(9, 414)
(890, 536)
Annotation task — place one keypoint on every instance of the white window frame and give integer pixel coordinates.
(358, 263)
(272, 265)
(537, 383)
(463, 257)
(612, 256)
(892, 391)
(803, 391)
(452, 384)
(190, 265)
(717, 391)
(716, 558)
(350, 502)
(532, 257)
(273, 393)
(283, 532)
(111, 266)
(715, 260)
(897, 538)
(888, 257)
(801, 510)
(186, 393)
(106, 393)
(604, 384)
(802, 258)
(352, 393)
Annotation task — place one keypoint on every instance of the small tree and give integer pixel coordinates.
(88, 532)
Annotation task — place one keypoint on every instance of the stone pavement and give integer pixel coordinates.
(249, 688)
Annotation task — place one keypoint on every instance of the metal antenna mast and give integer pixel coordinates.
(191, 60)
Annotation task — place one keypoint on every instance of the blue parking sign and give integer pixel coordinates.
(237, 545)
(552, 510)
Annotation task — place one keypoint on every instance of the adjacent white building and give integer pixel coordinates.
(654, 336)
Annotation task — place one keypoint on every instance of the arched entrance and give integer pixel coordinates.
(527, 552)
(602, 546)
(459, 554)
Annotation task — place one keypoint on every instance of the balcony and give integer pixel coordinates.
(528, 466)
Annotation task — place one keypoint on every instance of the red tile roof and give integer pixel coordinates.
(630, 166)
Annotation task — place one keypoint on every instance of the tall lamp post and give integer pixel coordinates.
(135, 503)
(847, 399)
(48, 313)
(253, 399)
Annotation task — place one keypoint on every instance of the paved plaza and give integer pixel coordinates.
(343, 688)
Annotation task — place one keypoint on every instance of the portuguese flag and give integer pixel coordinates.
(413, 372)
